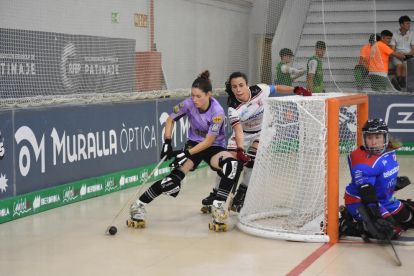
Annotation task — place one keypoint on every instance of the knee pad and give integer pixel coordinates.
(252, 153)
(171, 184)
(405, 217)
(231, 168)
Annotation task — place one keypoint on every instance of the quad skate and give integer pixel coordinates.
(208, 201)
(137, 212)
(219, 216)
(238, 200)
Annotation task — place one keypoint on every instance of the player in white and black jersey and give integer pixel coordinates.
(245, 112)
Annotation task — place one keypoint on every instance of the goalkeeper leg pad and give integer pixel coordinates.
(231, 170)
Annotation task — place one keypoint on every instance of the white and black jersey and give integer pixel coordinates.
(250, 114)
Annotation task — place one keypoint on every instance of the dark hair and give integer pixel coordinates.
(203, 82)
(320, 45)
(286, 52)
(403, 19)
(228, 85)
(374, 38)
(386, 33)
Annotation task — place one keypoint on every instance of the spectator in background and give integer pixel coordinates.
(402, 42)
(362, 69)
(284, 72)
(378, 61)
(314, 81)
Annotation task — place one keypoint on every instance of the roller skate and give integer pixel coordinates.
(208, 201)
(137, 212)
(238, 200)
(219, 216)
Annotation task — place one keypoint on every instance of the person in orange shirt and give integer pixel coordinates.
(362, 68)
(378, 61)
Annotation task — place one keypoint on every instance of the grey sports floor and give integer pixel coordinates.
(70, 240)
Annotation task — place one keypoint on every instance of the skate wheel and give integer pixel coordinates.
(128, 222)
(135, 224)
(143, 224)
(216, 227)
(210, 226)
(225, 228)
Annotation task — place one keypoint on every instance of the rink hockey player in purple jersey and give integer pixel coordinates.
(371, 210)
(206, 141)
(245, 111)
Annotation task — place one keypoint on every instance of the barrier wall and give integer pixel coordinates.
(53, 156)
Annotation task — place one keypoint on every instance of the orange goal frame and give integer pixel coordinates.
(333, 105)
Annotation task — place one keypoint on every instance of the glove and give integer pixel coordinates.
(166, 148)
(377, 226)
(302, 91)
(241, 155)
(408, 57)
(180, 158)
(402, 182)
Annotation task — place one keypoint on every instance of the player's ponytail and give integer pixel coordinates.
(228, 90)
(393, 144)
(203, 82)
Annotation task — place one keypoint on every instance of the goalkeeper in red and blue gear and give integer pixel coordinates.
(369, 197)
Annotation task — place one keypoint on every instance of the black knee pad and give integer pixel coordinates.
(405, 217)
(171, 184)
(231, 168)
(252, 153)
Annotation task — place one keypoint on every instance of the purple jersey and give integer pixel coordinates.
(210, 121)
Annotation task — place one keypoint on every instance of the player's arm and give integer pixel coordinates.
(392, 47)
(398, 55)
(169, 125)
(283, 89)
(239, 135)
(411, 52)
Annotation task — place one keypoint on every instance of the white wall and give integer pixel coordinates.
(88, 17)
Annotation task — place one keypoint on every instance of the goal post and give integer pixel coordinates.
(301, 166)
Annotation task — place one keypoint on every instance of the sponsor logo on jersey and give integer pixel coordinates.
(181, 105)
(358, 174)
(255, 115)
(391, 172)
(394, 156)
(176, 110)
(368, 156)
(245, 112)
(200, 133)
(259, 103)
(215, 127)
(217, 119)
(384, 162)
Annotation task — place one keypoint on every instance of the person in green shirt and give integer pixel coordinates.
(284, 72)
(314, 82)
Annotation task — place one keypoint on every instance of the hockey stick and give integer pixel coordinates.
(132, 198)
(393, 248)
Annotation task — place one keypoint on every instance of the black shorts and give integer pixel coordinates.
(204, 155)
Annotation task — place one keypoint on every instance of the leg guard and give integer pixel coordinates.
(170, 185)
(405, 217)
(231, 170)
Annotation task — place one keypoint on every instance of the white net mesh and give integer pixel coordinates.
(56, 51)
(286, 197)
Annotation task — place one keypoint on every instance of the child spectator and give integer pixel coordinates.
(284, 72)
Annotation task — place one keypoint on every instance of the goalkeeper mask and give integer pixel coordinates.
(375, 126)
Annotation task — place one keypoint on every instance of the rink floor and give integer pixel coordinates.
(70, 240)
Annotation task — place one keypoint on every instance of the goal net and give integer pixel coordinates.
(290, 193)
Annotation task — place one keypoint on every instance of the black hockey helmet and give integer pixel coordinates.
(286, 52)
(375, 126)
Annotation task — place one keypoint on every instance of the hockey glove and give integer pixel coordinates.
(241, 155)
(402, 182)
(180, 158)
(376, 225)
(302, 91)
(166, 148)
